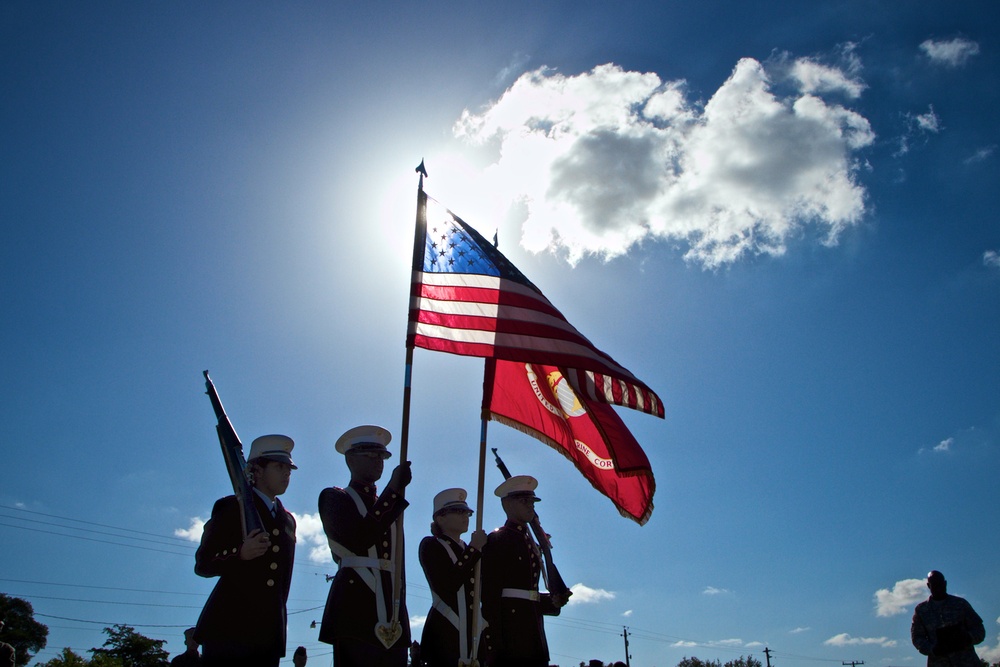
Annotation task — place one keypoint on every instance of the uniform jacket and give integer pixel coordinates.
(247, 604)
(351, 610)
(454, 584)
(946, 630)
(515, 634)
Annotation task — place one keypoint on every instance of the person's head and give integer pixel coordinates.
(299, 657)
(451, 513)
(270, 466)
(189, 641)
(517, 496)
(937, 584)
(364, 449)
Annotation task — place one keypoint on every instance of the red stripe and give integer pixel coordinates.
(467, 349)
(466, 294)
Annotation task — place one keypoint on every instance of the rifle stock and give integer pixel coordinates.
(232, 452)
(555, 581)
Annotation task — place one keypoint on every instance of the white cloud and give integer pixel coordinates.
(683, 644)
(991, 258)
(815, 77)
(798, 631)
(952, 52)
(309, 531)
(901, 599)
(416, 623)
(606, 159)
(628, 613)
(981, 154)
(990, 654)
(193, 532)
(928, 122)
(712, 590)
(586, 595)
(944, 445)
(844, 639)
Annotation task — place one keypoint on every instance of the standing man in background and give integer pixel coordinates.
(244, 620)
(190, 657)
(946, 627)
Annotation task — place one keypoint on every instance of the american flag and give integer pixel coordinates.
(467, 298)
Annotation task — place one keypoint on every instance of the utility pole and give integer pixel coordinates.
(854, 663)
(767, 654)
(625, 635)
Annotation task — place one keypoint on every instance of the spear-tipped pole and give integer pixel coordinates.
(404, 436)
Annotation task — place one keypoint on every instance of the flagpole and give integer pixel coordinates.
(480, 492)
(404, 436)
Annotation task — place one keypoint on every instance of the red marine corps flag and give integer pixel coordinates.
(537, 399)
(543, 376)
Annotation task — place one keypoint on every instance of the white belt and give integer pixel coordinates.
(520, 593)
(357, 562)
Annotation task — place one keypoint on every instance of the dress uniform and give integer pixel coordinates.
(362, 532)
(244, 620)
(450, 631)
(512, 604)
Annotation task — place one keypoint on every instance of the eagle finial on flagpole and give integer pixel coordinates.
(422, 171)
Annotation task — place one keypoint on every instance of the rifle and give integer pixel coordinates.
(232, 452)
(555, 581)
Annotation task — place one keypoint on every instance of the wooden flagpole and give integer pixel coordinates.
(404, 436)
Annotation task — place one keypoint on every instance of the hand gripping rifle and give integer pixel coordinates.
(232, 452)
(555, 581)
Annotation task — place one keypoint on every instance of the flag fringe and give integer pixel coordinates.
(538, 435)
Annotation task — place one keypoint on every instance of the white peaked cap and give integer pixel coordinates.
(272, 448)
(451, 499)
(364, 438)
(518, 485)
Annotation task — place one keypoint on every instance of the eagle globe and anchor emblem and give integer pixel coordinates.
(569, 406)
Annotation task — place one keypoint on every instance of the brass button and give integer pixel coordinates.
(275, 548)
(274, 566)
(270, 582)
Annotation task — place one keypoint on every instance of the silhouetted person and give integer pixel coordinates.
(7, 652)
(362, 531)
(190, 657)
(244, 620)
(450, 567)
(945, 627)
(512, 604)
(300, 657)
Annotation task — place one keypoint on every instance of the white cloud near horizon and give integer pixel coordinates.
(583, 594)
(991, 258)
(844, 639)
(193, 532)
(904, 595)
(990, 654)
(952, 52)
(309, 531)
(604, 160)
(712, 590)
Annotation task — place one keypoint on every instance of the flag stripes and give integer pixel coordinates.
(466, 298)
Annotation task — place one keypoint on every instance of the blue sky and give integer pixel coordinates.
(779, 215)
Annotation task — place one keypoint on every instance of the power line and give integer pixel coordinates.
(91, 523)
(109, 624)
